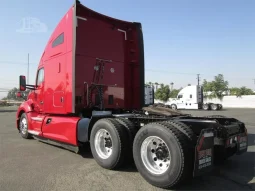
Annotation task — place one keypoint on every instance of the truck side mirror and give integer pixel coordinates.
(22, 83)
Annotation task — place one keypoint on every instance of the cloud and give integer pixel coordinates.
(32, 25)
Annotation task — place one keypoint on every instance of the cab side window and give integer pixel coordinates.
(59, 40)
(179, 96)
(40, 76)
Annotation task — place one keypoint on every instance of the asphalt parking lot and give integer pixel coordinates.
(32, 165)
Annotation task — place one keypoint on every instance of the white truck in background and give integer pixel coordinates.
(191, 97)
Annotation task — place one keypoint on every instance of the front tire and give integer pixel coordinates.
(173, 107)
(109, 143)
(161, 154)
(23, 127)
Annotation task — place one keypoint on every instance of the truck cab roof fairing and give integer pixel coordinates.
(84, 13)
(54, 33)
(80, 9)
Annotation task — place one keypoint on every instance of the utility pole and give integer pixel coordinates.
(198, 79)
(28, 68)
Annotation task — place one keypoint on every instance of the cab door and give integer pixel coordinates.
(180, 102)
(36, 115)
(39, 91)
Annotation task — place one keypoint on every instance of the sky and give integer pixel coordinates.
(182, 38)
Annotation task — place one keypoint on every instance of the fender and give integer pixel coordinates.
(85, 125)
(25, 107)
(83, 130)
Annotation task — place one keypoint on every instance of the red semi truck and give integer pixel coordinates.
(90, 89)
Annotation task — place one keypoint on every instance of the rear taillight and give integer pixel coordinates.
(227, 142)
(245, 131)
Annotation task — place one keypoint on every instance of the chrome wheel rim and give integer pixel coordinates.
(155, 155)
(23, 126)
(174, 107)
(103, 144)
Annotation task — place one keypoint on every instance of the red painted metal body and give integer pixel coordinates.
(67, 66)
(62, 129)
(105, 38)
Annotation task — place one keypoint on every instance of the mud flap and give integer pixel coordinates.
(242, 144)
(204, 152)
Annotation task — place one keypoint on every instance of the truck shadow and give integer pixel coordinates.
(238, 169)
(7, 111)
(251, 140)
(234, 174)
(85, 151)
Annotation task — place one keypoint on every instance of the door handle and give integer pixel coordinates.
(61, 99)
(48, 121)
(41, 102)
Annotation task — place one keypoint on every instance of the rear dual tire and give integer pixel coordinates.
(214, 107)
(162, 154)
(206, 106)
(111, 142)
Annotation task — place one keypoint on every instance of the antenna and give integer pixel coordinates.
(28, 68)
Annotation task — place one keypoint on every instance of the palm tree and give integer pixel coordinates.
(156, 84)
(171, 85)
